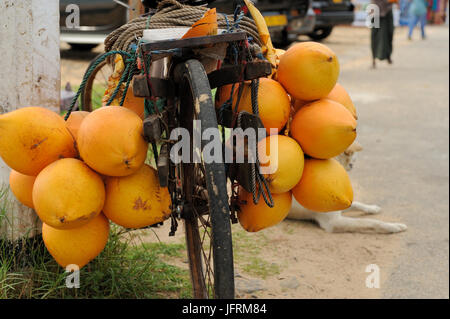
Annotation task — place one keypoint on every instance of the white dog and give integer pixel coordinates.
(335, 222)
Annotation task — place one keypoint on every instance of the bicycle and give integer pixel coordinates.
(198, 189)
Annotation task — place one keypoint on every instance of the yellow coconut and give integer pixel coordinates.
(254, 218)
(323, 128)
(137, 200)
(74, 121)
(324, 187)
(308, 71)
(67, 194)
(33, 137)
(110, 141)
(206, 25)
(77, 246)
(298, 104)
(282, 158)
(273, 102)
(22, 187)
(133, 103)
(340, 95)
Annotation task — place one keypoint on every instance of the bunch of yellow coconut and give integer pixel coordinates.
(78, 174)
(312, 119)
(316, 121)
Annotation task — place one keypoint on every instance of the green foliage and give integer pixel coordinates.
(122, 270)
(247, 248)
(261, 268)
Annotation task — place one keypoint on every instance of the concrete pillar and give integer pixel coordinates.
(29, 76)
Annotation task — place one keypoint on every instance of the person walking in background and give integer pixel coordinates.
(381, 38)
(418, 14)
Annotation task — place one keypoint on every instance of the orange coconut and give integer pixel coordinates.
(67, 194)
(133, 103)
(324, 187)
(137, 200)
(223, 93)
(207, 25)
(77, 246)
(33, 137)
(308, 71)
(282, 159)
(323, 128)
(74, 121)
(299, 104)
(273, 102)
(22, 187)
(340, 95)
(255, 217)
(110, 141)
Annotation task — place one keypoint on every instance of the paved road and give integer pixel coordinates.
(404, 128)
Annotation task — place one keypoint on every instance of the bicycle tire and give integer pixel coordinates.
(196, 103)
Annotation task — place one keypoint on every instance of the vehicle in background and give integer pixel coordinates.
(286, 19)
(98, 18)
(330, 13)
(302, 26)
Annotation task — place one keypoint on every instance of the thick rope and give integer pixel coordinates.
(262, 187)
(172, 14)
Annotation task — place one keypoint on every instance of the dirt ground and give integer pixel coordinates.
(403, 126)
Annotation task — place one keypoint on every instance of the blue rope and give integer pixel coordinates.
(228, 30)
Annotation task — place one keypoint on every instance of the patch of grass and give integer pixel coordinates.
(3, 203)
(170, 250)
(247, 248)
(245, 244)
(122, 270)
(261, 268)
(288, 229)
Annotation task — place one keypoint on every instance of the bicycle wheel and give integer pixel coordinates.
(205, 211)
(97, 83)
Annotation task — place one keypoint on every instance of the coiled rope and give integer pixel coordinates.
(172, 14)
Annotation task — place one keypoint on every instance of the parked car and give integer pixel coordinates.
(98, 18)
(286, 19)
(330, 13)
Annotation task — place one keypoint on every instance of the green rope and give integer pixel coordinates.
(116, 90)
(130, 76)
(88, 73)
(152, 106)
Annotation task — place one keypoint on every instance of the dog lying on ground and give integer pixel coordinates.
(335, 222)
